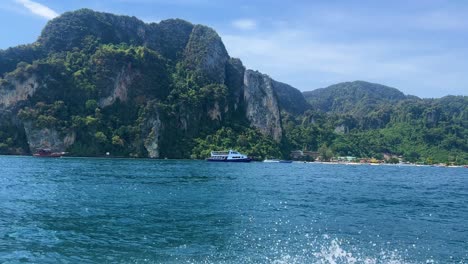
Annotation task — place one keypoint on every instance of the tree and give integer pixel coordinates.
(91, 105)
(100, 137)
(117, 141)
(412, 156)
(325, 153)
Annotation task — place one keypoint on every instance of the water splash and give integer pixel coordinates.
(334, 253)
(321, 250)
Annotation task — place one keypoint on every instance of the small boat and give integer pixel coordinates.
(228, 156)
(277, 161)
(47, 153)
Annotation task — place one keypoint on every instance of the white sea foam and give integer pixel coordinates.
(332, 251)
(320, 250)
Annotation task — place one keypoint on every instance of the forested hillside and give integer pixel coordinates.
(371, 119)
(96, 82)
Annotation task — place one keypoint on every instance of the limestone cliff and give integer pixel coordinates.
(215, 113)
(262, 109)
(205, 53)
(47, 138)
(169, 37)
(120, 88)
(153, 134)
(14, 90)
(235, 71)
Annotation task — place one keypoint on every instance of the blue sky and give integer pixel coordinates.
(418, 46)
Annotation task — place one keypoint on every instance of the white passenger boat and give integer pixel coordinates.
(228, 156)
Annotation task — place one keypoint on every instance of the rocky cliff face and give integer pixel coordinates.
(262, 107)
(215, 113)
(169, 37)
(47, 138)
(152, 131)
(16, 90)
(235, 82)
(205, 53)
(122, 81)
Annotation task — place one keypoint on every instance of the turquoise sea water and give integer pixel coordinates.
(80, 210)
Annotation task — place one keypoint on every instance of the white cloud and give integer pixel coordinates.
(38, 9)
(305, 62)
(245, 24)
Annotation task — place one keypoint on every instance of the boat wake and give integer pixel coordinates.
(322, 250)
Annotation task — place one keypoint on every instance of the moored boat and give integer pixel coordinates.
(48, 153)
(277, 161)
(228, 156)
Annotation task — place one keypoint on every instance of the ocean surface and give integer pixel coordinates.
(84, 210)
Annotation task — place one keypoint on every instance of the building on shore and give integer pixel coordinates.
(303, 155)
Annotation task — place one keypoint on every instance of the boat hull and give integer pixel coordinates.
(229, 160)
(278, 161)
(53, 155)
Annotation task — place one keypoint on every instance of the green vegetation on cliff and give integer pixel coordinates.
(96, 83)
(119, 85)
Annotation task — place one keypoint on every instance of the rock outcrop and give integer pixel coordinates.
(205, 53)
(15, 90)
(235, 82)
(152, 130)
(215, 113)
(152, 140)
(169, 37)
(262, 109)
(47, 138)
(121, 83)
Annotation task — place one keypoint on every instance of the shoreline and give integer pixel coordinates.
(385, 164)
(294, 161)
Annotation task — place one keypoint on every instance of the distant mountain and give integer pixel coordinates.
(372, 118)
(355, 98)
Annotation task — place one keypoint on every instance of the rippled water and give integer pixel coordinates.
(148, 211)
